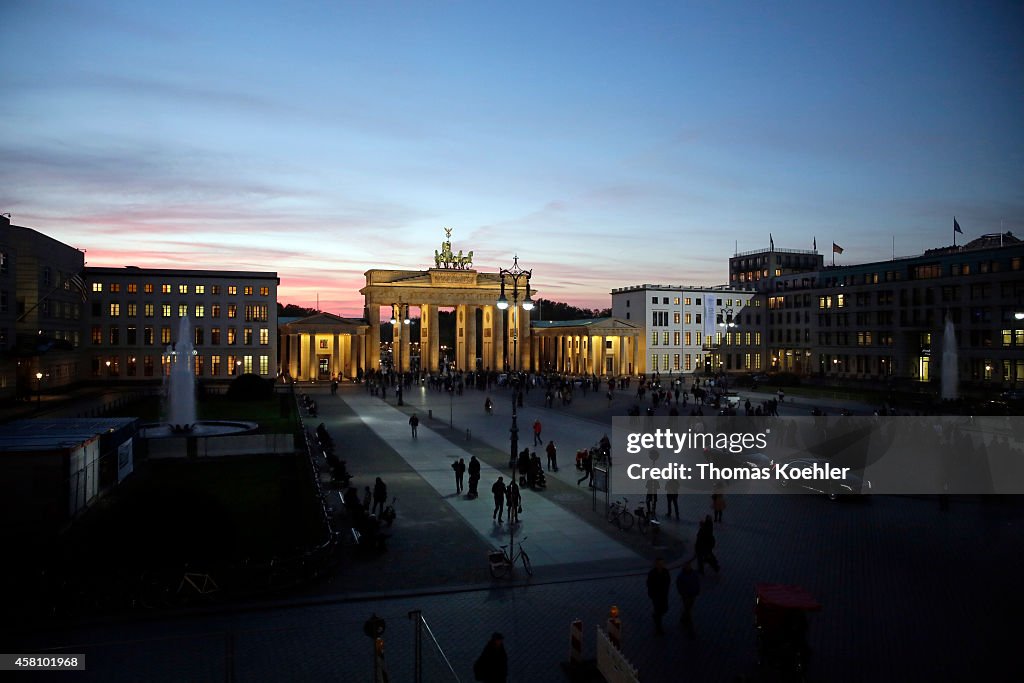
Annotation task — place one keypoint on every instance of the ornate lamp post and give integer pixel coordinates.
(39, 389)
(513, 275)
(399, 317)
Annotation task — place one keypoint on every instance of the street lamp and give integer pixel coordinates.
(399, 317)
(513, 275)
(39, 388)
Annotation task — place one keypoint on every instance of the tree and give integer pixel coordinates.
(294, 311)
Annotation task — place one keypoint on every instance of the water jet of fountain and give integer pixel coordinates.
(949, 361)
(181, 381)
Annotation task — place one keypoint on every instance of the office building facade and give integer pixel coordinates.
(135, 315)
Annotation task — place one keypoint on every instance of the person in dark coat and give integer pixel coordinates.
(492, 665)
(474, 476)
(688, 585)
(460, 469)
(705, 545)
(380, 496)
(552, 455)
(658, 582)
(498, 489)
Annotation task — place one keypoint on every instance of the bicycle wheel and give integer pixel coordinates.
(526, 563)
(626, 520)
(613, 512)
(642, 523)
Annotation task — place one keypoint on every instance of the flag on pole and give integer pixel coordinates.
(771, 242)
(956, 226)
(836, 249)
(78, 284)
(815, 243)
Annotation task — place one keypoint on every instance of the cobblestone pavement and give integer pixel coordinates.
(909, 592)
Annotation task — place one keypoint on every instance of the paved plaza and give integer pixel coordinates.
(909, 592)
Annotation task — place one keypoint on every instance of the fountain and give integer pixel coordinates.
(949, 362)
(181, 382)
(180, 396)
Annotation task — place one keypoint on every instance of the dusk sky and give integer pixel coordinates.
(608, 144)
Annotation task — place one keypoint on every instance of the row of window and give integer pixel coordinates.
(150, 288)
(698, 338)
(202, 366)
(688, 301)
(149, 335)
(253, 312)
(687, 362)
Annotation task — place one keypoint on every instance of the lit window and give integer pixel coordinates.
(264, 365)
(115, 288)
(165, 289)
(214, 365)
(133, 288)
(264, 336)
(148, 289)
(200, 289)
(214, 289)
(115, 310)
(214, 310)
(247, 336)
(231, 336)
(247, 290)
(247, 364)
(232, 311)
(147, 310)
(264, 291)
(133, 310)
(165, 334)
(200, 310)
(97, 286)
(232, 290)
(182, 289)
(182, 310)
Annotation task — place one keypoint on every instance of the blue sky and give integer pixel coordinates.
(606, 143)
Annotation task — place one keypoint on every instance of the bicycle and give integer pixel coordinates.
(501, 562)
(620, 516)
(643, 520)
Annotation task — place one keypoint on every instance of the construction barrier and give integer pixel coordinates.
(614, 627)
(612, 664)
(576, 642)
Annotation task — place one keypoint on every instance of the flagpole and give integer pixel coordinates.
(954, 231)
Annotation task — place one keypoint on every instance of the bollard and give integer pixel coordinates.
(576, 642)
(615, 627)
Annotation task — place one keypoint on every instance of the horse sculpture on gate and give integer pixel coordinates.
(446, 259)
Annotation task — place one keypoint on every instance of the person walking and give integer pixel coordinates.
(704, 547)
(414, 422)
(474, 476)
(552, 452)
(492, 664)
(498, 489)
(588, 469)
(688, 586)
(515, 502)
(718, 505)
(536, 433)
(460, 469)
(672, 497)
(651, 499)
(658, 582)
(380, 496)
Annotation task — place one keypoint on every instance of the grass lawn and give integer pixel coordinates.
(267, 412)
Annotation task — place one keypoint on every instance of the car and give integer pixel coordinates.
(852, 485)
(1013, 395)
(731, 399)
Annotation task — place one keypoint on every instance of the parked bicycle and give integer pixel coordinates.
(502, 562)
(619, 514)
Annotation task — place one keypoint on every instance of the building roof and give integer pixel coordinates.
(582, 322)
(44, 434)
(681, 288)
(127, 271)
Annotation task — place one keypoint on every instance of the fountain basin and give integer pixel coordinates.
(165, 430)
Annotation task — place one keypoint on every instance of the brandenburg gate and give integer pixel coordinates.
(451, 283)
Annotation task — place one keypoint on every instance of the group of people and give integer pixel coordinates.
(461, 468)
(506, 496)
